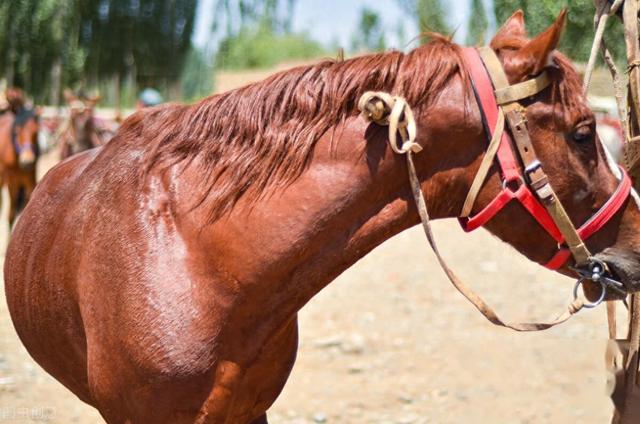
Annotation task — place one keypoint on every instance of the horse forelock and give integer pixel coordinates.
(248, 139)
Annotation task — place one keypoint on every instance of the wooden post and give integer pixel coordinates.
(624, 360)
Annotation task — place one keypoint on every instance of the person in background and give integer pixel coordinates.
(149, 97)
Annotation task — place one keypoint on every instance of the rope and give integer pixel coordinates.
(604, 9)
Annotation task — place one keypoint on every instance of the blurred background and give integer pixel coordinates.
(184, 48)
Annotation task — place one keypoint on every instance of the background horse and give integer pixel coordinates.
(159, 277)
(80, 132)
(19, 152)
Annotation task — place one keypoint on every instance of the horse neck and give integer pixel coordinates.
(353, 196)
(82, 133)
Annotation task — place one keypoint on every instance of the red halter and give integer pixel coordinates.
(514, 185)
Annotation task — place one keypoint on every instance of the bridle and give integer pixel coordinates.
(522, 174)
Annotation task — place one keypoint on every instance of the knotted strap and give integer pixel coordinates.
(377, 107)
(385, 109)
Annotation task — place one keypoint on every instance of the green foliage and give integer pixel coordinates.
(370, 35)
(578, 34)
(262, 48)
(429, 14)
(233, 16)
(89, 41)
(478, 24)
(432, 17)
(257, 34)
(143, 39)
(197, 76)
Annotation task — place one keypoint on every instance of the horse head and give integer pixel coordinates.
(81, 111)
(25, 137)
(560, 147)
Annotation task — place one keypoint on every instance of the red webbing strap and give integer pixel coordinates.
(597, 221)
(539, 212)
(527, 199)
(559, 259)
(609, 209)
(484, 92)
(471, 223)
(483, 89)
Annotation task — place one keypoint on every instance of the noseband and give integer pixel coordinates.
(522, 174)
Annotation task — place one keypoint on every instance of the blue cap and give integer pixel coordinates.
(150, 97)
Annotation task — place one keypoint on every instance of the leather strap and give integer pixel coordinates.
(522, 90)
(597, 221)
(485, 165)
(488, 312)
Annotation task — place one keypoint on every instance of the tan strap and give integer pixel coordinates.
(522, 90)
(370, 105)
(485, 165)
(515, 116)
(488, 312)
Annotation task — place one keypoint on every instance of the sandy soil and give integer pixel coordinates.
(390, 341)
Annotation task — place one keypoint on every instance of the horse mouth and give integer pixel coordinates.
(624, 265)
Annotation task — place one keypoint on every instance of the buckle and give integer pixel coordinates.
(532, 167)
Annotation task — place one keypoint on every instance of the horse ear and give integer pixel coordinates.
(537, 53)
(69, 97)
(513, 27)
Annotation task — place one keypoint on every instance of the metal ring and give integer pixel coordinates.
(588, 304)
(506, 182)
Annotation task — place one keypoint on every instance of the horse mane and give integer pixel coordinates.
(263, 134)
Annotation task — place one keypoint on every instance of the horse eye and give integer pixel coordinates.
(583, 134)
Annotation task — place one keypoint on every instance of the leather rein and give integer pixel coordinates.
(523, 179)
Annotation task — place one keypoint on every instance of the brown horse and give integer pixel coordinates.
(18, 154)
(159, 277)
(80, 132)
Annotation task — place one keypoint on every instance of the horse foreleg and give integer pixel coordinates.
(220, 403)
(242, 394)
(14, 191)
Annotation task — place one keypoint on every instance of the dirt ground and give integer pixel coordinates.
(390, 341)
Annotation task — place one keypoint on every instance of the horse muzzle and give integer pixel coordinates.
(26, 159)
(624, 266)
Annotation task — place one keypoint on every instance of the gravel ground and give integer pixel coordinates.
(392, 342)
